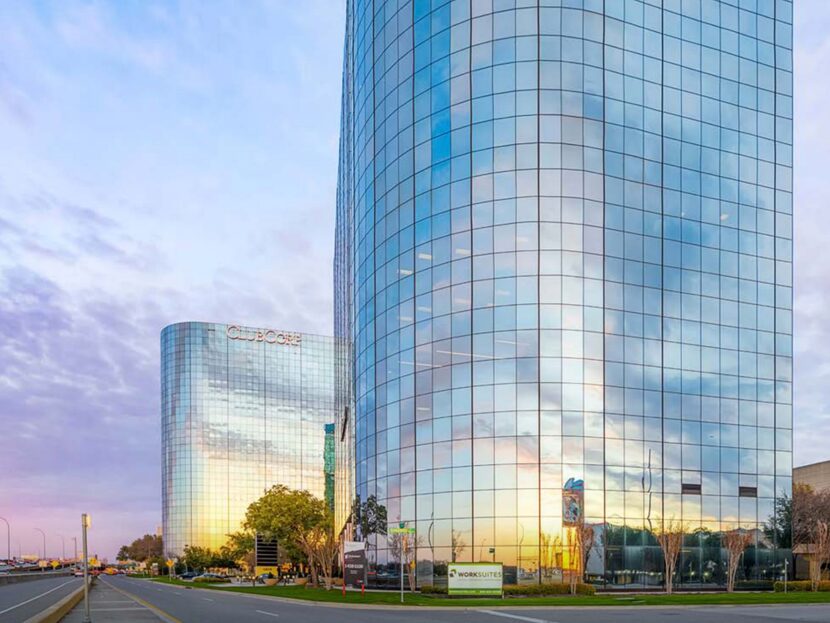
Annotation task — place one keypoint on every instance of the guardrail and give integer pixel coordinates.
(13, 578)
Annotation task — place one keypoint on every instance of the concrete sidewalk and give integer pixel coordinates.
(107, 604)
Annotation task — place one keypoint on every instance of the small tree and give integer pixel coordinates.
(369, 516)
(322, 546)
(670, 538)
(585, 538)
(734, 542)
(403, 547)
(200, 558)
(240, 548)
(551, 552)
(821, 551)
(457, 545)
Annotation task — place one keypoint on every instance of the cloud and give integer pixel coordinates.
(812, 270)
(162, 162)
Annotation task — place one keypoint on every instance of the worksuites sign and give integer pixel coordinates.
(270, 336)
(475, 578)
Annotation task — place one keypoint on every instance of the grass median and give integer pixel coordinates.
(392, 598)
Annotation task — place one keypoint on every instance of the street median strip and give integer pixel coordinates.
(56, 612)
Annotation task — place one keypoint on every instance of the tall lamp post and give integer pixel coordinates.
(63, 547)
(86, 522)
(8, 538)
(75, 541)
(43, 534)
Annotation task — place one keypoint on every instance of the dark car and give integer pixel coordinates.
(188, 576)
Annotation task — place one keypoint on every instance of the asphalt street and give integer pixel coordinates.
(205, 606)
(22, 600)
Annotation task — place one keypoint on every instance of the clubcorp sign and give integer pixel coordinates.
(235, 332)
(475, 578)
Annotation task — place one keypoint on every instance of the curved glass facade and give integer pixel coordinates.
(242, 409)
(565, 251)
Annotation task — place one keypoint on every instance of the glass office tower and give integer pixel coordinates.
(565, 257)
(242, 409)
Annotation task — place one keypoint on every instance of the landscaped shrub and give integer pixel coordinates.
(800, 586)
(525, 590)
(200, 580)
(433, 590)
(547, 589)
(753, 585)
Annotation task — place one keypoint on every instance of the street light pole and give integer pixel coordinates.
(8, 538)
(75, 541)
(85, 523)
(43, 534)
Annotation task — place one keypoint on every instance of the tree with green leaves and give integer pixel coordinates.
(240, 548)
(369, 516)
(296, 519)
(144, 548)
(199, 558)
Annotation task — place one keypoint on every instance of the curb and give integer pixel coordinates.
(54, 613)
(473, 608)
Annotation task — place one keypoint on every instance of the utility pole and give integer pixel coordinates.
(85, 523)
(75, 541)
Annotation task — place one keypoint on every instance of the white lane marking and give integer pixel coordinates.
(514, 616)
(206, 599)
(270, 614)
(23, 603)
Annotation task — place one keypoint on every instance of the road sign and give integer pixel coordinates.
(55, 564)
(169, 562)
(402, 531)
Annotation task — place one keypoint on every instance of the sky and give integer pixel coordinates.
(163, 161)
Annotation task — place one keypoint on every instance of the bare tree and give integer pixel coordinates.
(821, 551)
(458, 545)
(551, 548)
(670, 538)
(402, 547)
(734, 542)
(807, 507)
(325, 547)
(585, 538)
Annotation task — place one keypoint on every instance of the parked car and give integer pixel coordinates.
(188, 576)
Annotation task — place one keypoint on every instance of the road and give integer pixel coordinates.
(21, 600)
(204, 606)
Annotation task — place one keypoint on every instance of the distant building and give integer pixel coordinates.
(817, 475)
(242, 409)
